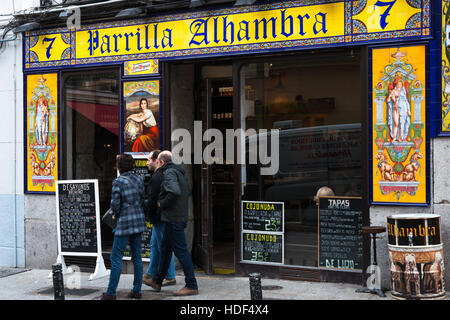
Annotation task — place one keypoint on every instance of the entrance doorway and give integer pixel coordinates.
(215, 241)
(222, 180)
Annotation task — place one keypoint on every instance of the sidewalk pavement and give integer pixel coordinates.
(35, 284)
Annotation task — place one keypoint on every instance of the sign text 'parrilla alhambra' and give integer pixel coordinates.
(214, 31)
(275, 26)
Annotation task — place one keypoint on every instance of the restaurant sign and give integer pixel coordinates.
(276, 26)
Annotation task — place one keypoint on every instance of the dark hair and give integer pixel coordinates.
(140, 102)
(166, 157)
(124, 162)
(155, 154)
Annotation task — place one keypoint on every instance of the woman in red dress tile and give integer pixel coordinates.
(149, 139)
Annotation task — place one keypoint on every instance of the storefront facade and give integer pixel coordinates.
(352, 88)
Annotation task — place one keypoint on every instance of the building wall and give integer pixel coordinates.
(28, 223)
(41, 247)
(12, 253)
(439, 204)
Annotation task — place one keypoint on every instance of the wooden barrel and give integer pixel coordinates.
(416, 256)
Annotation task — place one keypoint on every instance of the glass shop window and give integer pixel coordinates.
(91, 132)
(314, 100)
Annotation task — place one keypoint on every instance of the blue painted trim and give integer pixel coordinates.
(25, 140)
(428, 111)
(427, 126)
(400, 204)
(370, 123)
(435, 69)
(436, 120)
(161, 107)
(121, 109)
(59, 120)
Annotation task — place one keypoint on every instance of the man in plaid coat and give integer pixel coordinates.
(127, 205)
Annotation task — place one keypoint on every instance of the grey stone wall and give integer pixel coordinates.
(439, 204)
(41, 248)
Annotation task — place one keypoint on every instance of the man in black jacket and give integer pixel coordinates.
(153, 189)
(173, 201)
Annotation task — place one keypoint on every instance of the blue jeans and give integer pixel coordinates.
(155, 252)
(174, 240)
(119, 246)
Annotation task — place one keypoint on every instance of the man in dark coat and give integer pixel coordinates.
(153, 189)
(174, 204)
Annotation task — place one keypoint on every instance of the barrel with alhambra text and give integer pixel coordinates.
(416, 256)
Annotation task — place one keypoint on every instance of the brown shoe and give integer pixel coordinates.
(169, 282)
(134, 295)
(185, 292)
(105, 296)
(147, 276)
(152, 284)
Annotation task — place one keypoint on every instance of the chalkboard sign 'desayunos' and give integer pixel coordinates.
(78, 223)
(77, 216)
(340, 233)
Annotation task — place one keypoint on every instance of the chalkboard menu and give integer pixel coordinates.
(77, 206)
(262, 216)
(140, 166)
(340, 233)
(141, 169)
(145, 250)
(262, 248)
(263, 232)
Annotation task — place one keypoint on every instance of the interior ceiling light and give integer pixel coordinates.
(196, 3)
(244, 2)
(27, 27)
(64, 14)
(129, 13)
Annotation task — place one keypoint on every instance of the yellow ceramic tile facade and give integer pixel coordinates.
(49, 47)
(42, 132)
(381, 16)
(278, 26)
(399, 137)
(215, 31)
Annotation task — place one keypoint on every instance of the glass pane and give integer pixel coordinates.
(91, 128)
(314, 100)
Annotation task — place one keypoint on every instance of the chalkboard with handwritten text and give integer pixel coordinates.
(262, 248)
(262, 216)
(77, 217)
(340, 233)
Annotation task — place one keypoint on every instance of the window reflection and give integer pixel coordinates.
(315, 103)
(91, 130)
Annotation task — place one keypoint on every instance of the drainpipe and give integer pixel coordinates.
(15, 152)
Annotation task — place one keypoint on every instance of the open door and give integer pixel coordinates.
(215, 212)
(205, 245)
